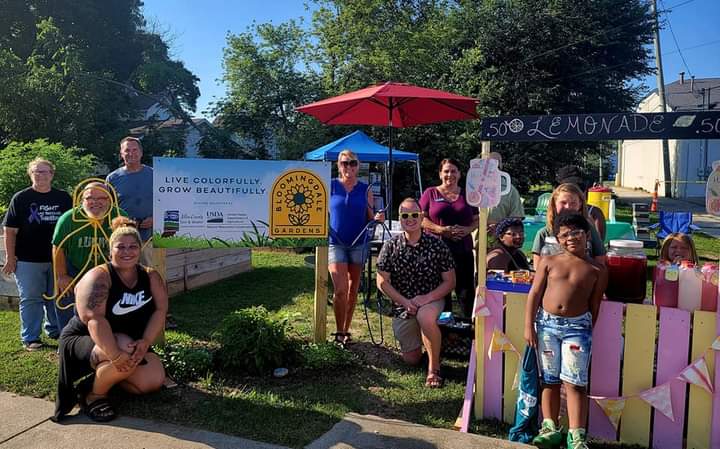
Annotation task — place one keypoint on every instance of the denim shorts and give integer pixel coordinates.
(564, 346)
(349, 255)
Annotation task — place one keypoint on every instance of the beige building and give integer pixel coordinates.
(640, 161)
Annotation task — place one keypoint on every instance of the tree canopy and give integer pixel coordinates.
(515, 56)
(69, 69)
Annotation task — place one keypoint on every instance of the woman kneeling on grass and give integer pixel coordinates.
(121, 308)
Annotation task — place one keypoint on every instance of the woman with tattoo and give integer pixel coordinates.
(121, 308)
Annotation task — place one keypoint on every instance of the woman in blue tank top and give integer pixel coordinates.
(350, 212)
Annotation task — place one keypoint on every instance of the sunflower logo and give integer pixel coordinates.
(299, 199)
(298, 205)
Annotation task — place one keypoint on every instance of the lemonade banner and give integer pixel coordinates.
(204, 203)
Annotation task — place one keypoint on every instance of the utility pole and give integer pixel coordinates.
(661, 93)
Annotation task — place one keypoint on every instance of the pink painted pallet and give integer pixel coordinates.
(605, 371)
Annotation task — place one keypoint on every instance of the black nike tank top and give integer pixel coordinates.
(129, 310)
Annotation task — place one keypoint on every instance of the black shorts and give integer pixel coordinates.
(76, 341)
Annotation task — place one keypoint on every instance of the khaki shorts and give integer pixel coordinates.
(407, 333)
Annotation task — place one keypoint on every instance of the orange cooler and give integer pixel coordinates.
(600, 197)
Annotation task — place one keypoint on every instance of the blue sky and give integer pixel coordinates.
(200, 29)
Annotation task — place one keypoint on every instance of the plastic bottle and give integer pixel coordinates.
(709, 297)
(665, 285)
(689, 287)
(551, 247)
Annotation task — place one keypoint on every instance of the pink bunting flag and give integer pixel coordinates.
(716, 344)
(661, 399)
(697, 374)
(480, 308)
(613, 408)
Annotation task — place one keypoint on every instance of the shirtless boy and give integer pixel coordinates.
(569, 286)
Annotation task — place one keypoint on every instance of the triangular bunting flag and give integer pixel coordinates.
(480, 308)
(613, 409)
(716, 344)
(697, 374)
(499, 342)
(660, 398)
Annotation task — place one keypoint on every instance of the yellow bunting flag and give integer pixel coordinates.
(613, 409)
(697, 374)
(660, 398)
(499, 342)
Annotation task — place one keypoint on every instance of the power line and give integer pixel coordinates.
(602, 69)
(678, 4)
(599, 33)
(677, 45)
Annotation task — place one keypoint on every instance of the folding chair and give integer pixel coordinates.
(542, 203)
(670, 222)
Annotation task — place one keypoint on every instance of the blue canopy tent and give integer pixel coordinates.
(366, 149)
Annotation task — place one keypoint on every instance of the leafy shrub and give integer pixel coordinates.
(70, 166)
(185, 362)
(326, 355)
(252, 341)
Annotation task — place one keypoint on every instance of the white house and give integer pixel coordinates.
(152, 114)
(640, 162)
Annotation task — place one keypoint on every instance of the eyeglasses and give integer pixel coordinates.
(575, 233)
(406, 215)
(350, 163)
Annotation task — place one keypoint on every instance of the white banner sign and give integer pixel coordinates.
(221, 202)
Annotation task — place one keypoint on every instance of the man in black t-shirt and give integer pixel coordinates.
(416, 271)
(28, 226)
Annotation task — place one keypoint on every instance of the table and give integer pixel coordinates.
(615, 230)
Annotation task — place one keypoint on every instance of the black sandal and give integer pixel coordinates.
(348, 339)
(339, 338)
(100, 410)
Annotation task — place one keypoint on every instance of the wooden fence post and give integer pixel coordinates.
(479, 323)
(321, 293)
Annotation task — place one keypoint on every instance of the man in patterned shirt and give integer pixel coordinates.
(416, 271)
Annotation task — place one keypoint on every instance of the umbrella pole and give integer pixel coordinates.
(390, 166)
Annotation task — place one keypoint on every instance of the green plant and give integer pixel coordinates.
(252, 341)
(326, 356)
(185, 362)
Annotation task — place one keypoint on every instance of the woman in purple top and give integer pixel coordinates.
(447, 215)
(350, 211)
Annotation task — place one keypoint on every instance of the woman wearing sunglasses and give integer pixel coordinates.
(350, 211)
(449, 216)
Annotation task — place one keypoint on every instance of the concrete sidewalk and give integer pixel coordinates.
(709, 224)
(25, 424)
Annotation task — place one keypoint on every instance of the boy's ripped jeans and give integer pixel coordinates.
(564, 347)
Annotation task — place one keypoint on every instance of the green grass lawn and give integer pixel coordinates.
(290, 411)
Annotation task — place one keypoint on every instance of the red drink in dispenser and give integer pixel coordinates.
(665, 285)
(627, 268)
(709, 297)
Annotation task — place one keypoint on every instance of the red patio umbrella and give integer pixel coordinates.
(396, 105)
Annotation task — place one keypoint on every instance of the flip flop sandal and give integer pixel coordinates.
(434, 380)
(100, 410)
(348, 339)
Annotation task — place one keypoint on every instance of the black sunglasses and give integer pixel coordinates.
(351, 163)
(406, 215)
